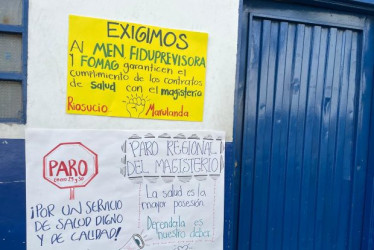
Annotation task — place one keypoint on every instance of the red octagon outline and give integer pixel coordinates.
(96, 170)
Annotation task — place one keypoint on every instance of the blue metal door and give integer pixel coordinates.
(306, 127)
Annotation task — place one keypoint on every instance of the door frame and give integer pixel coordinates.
(349, 6)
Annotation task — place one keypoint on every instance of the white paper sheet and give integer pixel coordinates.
(111, 189)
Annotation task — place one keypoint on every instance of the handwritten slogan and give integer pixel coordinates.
(133, 70)
(146, 190)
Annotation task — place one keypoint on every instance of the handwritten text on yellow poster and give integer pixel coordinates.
(133, 70)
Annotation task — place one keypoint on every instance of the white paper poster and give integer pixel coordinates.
(114, 190)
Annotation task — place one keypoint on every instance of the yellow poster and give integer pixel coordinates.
(133, 70)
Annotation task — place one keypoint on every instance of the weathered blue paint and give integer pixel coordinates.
(233, 187)
(12, 194)
(11, 28)
(368, 229)
(22, 76)
(306, 124)
(11, 76)
(231, 198)
(355, 6)
(25, 36)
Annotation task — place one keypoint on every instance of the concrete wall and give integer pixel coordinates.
(47, 59)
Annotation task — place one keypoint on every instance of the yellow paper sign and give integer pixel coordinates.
(134, 70)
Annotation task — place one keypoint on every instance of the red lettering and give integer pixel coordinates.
(85, 170)
(86, 107)
(71, 168)
(52, 165)
(167, 111)
(151, 108)
(68, 169)
(62, 168)
(70, 103)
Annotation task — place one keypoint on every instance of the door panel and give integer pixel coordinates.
(304, 145)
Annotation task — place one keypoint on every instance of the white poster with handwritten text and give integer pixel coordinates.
(116, 190)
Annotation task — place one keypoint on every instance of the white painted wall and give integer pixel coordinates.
(47, 61)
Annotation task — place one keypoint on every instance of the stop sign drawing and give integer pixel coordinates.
(70, 165)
